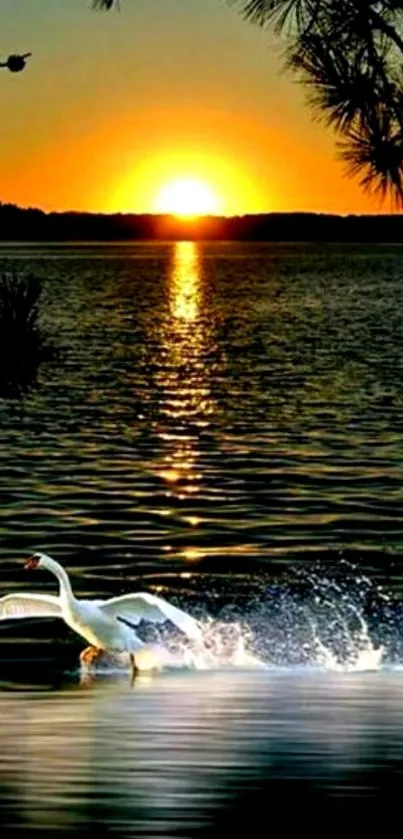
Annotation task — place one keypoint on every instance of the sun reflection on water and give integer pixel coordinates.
(185, 398)
(185, 284)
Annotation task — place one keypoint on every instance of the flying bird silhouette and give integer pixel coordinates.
(16, 63)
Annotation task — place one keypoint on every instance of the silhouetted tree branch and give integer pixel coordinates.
(349, 55)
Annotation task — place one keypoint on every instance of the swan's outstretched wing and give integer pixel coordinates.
(29, 606)
(144, 606)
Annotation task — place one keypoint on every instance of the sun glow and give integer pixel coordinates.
(187, 197)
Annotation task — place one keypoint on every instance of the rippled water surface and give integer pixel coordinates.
(222, 424)
(226, 407)
(203, 755)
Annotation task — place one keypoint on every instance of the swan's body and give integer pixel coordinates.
(105, 624)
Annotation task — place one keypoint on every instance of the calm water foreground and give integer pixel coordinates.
(221, 424)
(203, 755)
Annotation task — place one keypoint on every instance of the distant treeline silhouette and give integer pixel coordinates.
(32, 225)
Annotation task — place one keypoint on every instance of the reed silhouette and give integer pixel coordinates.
(24, 343)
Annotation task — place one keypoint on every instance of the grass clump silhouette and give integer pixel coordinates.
(24, 343)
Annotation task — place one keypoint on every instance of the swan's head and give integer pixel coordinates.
(36, 561)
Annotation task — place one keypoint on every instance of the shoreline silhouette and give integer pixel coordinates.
(34, 225)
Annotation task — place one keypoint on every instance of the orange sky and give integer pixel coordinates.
(112, 108)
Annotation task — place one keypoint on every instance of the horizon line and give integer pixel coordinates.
(193, 219)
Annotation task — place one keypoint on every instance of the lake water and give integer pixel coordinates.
(221, 424)
(203, 755)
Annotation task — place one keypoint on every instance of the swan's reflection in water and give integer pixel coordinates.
(195, 754)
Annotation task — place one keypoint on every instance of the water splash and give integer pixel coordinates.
(360, 652)
(328, 619)
(224, 644)
(340, 622)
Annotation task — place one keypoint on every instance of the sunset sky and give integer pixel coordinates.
(115, 108)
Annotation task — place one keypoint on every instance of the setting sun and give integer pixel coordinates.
(187, 197)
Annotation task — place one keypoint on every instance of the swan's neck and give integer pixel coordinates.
(59, 572)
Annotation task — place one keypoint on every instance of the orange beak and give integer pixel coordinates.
(31, 563)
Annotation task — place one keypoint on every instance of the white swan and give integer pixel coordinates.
(105, 624)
